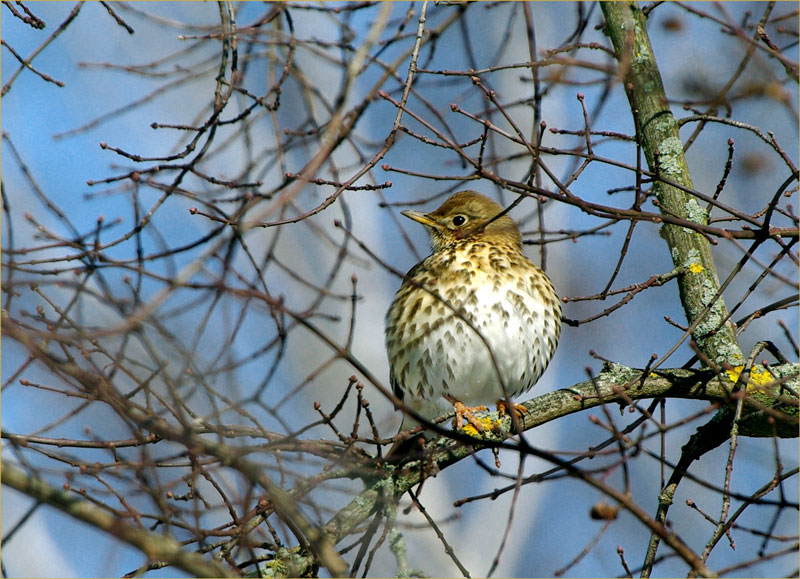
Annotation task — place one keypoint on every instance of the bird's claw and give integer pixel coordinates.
(466, 412)
(512, 409)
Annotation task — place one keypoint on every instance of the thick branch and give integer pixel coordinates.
(615, 385)
(663, 149)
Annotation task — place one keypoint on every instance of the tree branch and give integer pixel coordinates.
(156, 546)
(699, 285)
(616, 384)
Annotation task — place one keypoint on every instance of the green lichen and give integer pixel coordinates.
(676, 256)
(695, 213)
(274, 568)
(619, 373)
(692, 256)
(287, 563)
(642, 55)
(669, 159)
(713, 318)
(667, 495)
(708, 332)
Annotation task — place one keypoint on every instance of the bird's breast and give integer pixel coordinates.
(486, 329)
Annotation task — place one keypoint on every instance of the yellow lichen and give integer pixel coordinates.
(469, 429)
(486, 422)
(758, 376)
(696, 267)
(733, 373)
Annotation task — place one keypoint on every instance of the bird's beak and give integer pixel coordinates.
(420, 217)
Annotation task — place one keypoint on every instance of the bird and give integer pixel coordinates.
(473, 323)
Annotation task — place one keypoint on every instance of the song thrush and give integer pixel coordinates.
(474, 322)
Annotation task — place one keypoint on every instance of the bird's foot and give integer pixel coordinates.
(466, 412)
(512, 409)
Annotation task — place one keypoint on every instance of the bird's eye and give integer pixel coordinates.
(459, 220)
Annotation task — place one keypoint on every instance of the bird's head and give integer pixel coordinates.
(467, 215)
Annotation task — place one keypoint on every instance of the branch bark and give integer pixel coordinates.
(699, 287)
(616, 384)
(690, 251)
